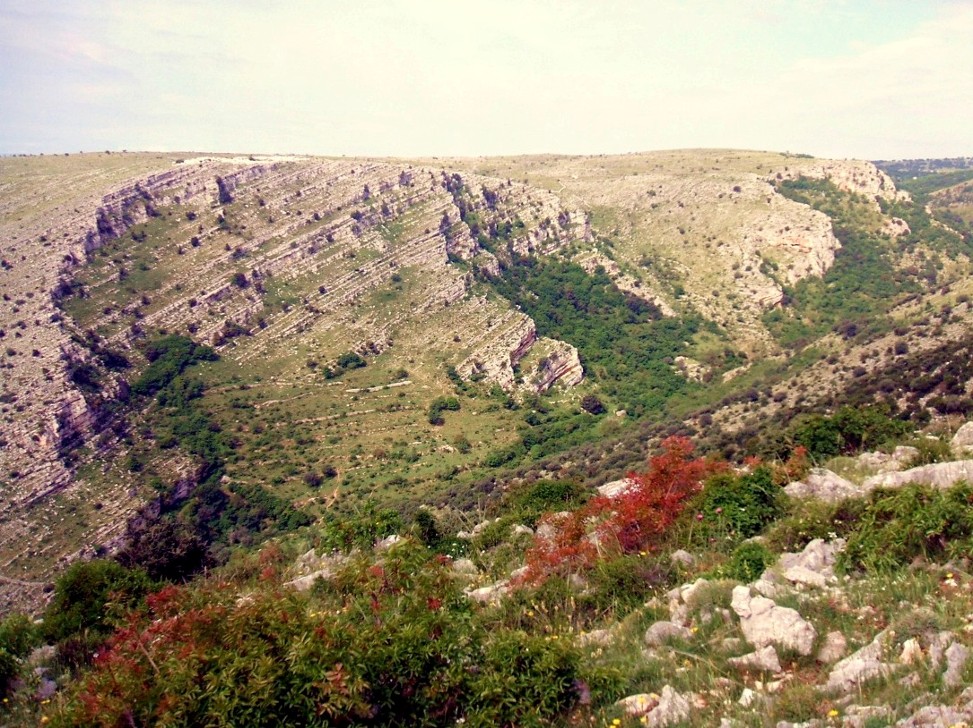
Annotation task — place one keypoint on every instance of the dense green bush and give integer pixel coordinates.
(896, 526)
(439, 405)
(810, 519)
(623, 341)
(361, 529)
(848, 430)
(528, 502)
(84, 593)
(748, 561)
(168, 357)
(863, 283)
(625, 582)
(18, 636)
(733, 507)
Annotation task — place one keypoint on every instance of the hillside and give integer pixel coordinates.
(346, 298)
(212, 359)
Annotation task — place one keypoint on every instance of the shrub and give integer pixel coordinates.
(748, 561)
(529, 502)
(734, 507)
(930, 451)
(633, 521)
(592, 405)
(17, 637)
(350, 360)
(168, 357)
(899, 525)
(439, 405)
(83, 594)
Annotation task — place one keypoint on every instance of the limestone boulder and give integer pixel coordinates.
(814, 566)
(765, 623)
(936, 475)
(859, 667)
(823, 484)
(662, 632)
(667, 708)
(962, 442)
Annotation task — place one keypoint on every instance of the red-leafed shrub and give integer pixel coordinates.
(632, 521)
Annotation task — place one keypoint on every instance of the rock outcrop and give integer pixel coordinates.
(936, 475)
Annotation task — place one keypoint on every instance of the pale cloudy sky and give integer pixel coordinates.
(841, 78)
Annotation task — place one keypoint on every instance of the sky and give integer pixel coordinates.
(872, 79)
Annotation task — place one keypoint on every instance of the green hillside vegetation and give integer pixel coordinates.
(390, 638)
(861, 286)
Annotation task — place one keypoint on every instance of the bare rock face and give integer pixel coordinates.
(764, 623)
(499, 349)
(833, 648)
(855, 176)
(896, 227)
(561, 365)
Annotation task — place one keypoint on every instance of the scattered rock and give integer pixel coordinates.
(732, 644)
(911, 652)
(615, 487)
(814, 566)
(823, 485)
(857, 716)
(517, 574)
(763, 623)
(763, 660)
(388, 542)
(937, 648)
(594, 638)
(465, 566)
(638, 704)
(325, 568)
(902, 455)
(522, 530)
(662, 632)
(683, 557)
(859, 667)
(488, 594)
(833, 648)
(936, 475)
(478, 528)
(957, 655)
(659, 710)
(962, 442)
(747, 698)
